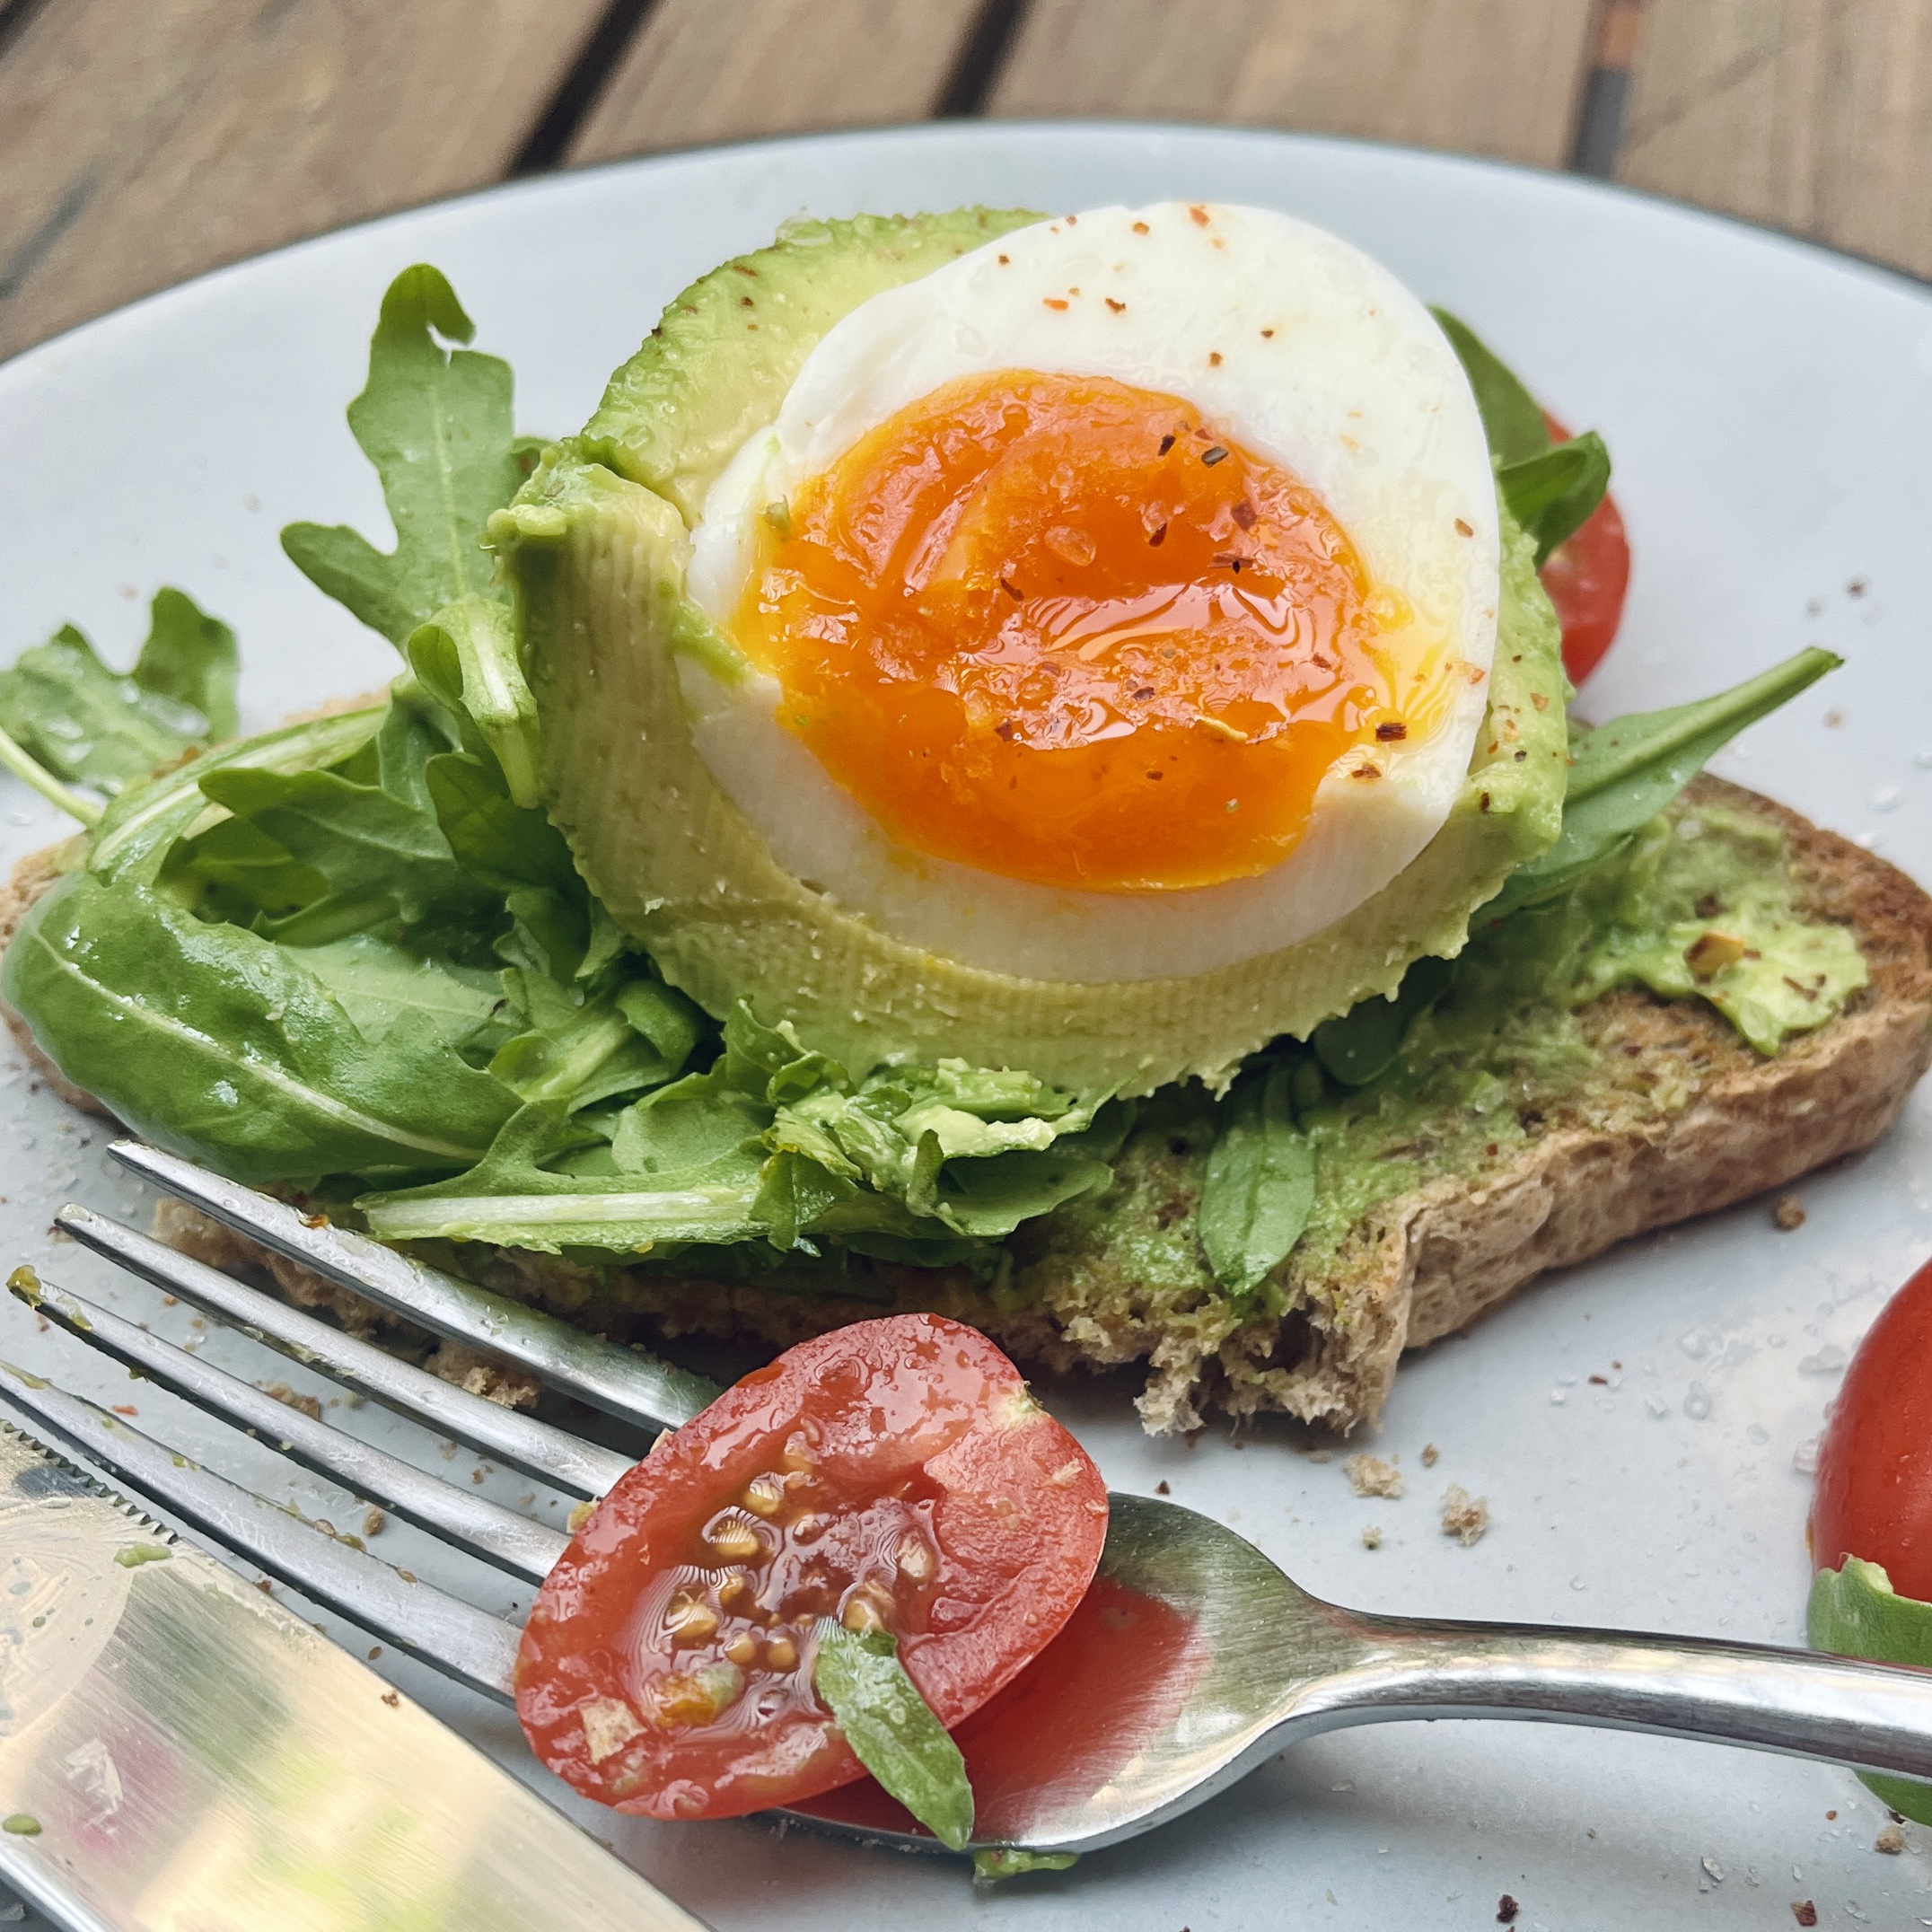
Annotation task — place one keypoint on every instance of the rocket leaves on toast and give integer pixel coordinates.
(436, 423)
(223, 1045)
(108, 730)
(1261, 1181)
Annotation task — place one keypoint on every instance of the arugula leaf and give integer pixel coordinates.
(109, 730)
(1622, 774)
(892, 1729)
(1549, 488)
(1260, 1182)
(135, 836)
(513, 1200)
(467, 655)
(212, 1040)
(1552, 493)
(377, 858)
(1361, 1044)
(1512, 417)
(436, 423)
(190, 657)
(379, 980)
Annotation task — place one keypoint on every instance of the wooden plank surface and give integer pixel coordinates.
(728, 70)
(1812, 115)
(141, 143)
(1486, 76)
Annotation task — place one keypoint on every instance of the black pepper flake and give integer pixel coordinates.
(1244, 513)
(1228, 560)
(744, 301)
(1483, 802)
(1391, 732)
(1211, 457)
(1156, 776)
(1158, 538)
(1011, 589)
(1167, 443)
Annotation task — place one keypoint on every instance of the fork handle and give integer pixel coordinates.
(1877, 1716)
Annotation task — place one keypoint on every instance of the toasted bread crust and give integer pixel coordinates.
(1419, 1266)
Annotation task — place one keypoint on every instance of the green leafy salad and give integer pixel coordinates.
(355, 955)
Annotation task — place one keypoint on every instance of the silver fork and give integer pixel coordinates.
(1226, 1660)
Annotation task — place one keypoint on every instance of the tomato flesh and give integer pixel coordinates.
(1586, 576)
(895, 1474)
(1874, 1498)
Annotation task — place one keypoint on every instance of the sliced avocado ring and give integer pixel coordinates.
(596, 548)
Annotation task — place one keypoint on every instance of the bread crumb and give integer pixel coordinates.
(1891, 1841)
(374, 1522)
(1464, 1517)
(307, 1404)
(1371, 1536)
(1369, 1475)
(1789, 1214)
(1319, 1455)
(1431, 1455)
(1506, 1909)
(1162, 1488)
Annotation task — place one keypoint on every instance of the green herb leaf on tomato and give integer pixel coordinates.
(1855, 1613)
(892, 1729)
(436, 423)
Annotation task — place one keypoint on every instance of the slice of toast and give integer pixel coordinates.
(1693, 1121)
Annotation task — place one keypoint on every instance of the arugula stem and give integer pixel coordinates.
(76, 804)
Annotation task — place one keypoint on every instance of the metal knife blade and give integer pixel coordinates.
(180, 1753)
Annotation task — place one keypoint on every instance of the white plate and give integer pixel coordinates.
(1769, 407)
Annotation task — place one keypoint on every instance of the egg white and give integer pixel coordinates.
(1355, 390)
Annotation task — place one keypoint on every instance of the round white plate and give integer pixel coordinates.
(1634, 1423)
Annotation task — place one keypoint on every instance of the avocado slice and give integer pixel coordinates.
(596, 548)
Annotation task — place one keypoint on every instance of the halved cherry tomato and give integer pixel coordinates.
(1874, 1498)
(1586, 576)
(894, 1473)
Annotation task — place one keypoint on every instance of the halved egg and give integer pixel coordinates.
(1116, 602)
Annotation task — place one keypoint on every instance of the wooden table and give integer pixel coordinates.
(142, 141)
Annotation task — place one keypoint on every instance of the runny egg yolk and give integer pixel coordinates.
(1056, 628)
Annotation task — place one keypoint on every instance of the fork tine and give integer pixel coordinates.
(622, 1382)
(499, 1535)
(467, 1643)
(550, 1455)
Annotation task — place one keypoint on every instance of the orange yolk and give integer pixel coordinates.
(1053, 627)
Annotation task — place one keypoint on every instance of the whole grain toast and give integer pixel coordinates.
(1692, 1119)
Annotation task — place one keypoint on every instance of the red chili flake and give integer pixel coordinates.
(1006, 261)
(1011, 589)
(126, 1408)
(1229, 561)
(1391, 732)
(1484, 802)
(1055, 301)
(1211, 457)
(745, 301)
(1005, 730)
(1506, 1909)
(1198, 216)
(1118, 308)
(1140, 228)
(1244, 513)
(1464, 529)
(1167, 443)
(1144, 694)
(1073, 221)
(745, 267)
(1600, 1382)
(1805, 1911)
(1267, 335)
(1214, 358)
(1158, 538)
(1156, 776)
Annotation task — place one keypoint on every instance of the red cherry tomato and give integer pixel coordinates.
(896, 1473)
(1874, 1466)
(1586, 576)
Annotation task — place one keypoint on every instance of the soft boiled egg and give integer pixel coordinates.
(1116, 602)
